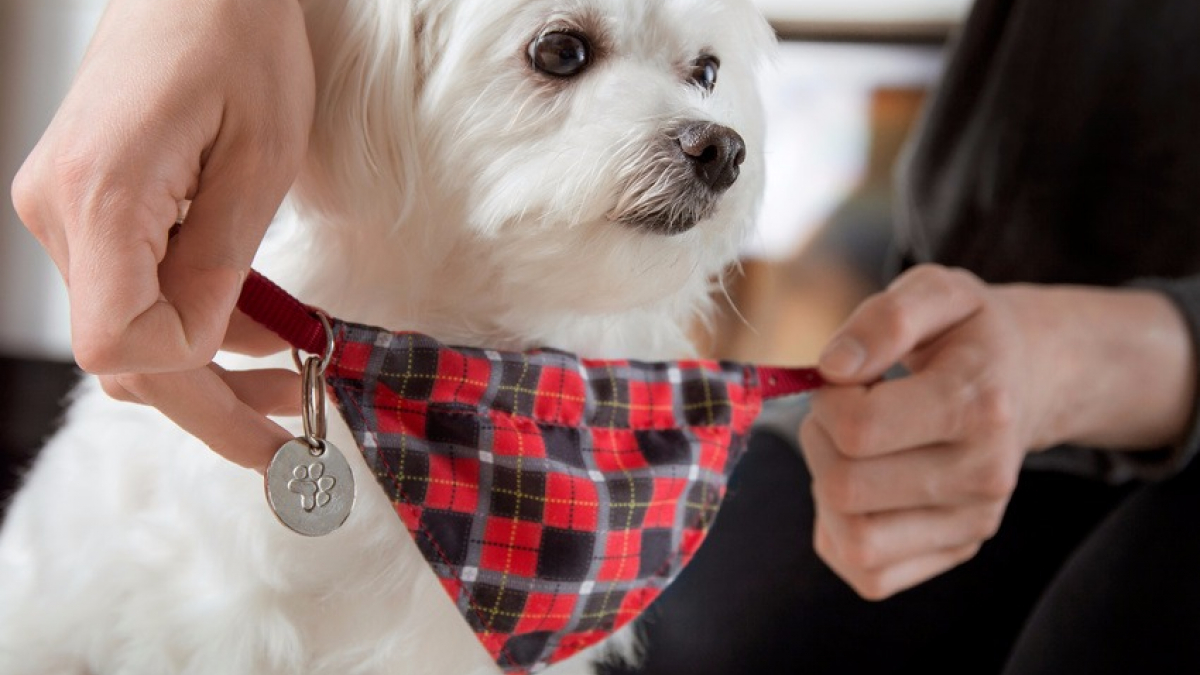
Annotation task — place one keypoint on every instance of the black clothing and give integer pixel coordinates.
(1063, 146)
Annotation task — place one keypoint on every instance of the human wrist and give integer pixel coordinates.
(1114, 368)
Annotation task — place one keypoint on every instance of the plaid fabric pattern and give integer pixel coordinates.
(554, 496)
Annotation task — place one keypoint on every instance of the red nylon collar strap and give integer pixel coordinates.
(275, 308)
(297, 323)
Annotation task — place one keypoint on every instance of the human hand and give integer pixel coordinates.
(912, 475)
(207, 101)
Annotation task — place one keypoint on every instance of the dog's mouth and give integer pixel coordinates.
(681, 179)
(669, 221)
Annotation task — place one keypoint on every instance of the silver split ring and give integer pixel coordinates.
(313, 412)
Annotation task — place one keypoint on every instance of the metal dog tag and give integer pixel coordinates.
(311, 490)
(309, 483)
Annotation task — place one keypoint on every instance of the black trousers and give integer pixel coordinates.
(1082, 578)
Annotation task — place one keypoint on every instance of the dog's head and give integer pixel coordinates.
(595, 154)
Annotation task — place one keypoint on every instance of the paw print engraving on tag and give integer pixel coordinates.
(313, 486)
(310, 494)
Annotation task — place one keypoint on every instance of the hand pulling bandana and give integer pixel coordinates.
(555, 497)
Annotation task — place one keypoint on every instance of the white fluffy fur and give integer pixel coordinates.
(451, 190)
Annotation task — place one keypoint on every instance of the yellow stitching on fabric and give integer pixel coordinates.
(478, 383)
(604, 611)
(512, 537)
(402, 469)
(431, 376)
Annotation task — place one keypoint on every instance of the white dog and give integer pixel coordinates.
(502, 173)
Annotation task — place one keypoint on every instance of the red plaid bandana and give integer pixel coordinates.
(555, 497)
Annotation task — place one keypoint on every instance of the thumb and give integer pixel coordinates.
(918, 307)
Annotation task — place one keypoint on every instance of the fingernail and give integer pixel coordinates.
(843, 357)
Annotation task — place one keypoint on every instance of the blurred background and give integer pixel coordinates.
(847, 90)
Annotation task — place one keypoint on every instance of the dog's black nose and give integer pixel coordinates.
(716, 153)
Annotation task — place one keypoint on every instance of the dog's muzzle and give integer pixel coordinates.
(679, 180)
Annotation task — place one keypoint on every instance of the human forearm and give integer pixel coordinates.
(1120, 364)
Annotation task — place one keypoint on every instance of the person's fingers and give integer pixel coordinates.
(952, 397)
(924, 477)
(112, 386)
(247, 336)
(873, 542)
(882, 583)
(917, 307)
(205, 405)
(122, 319)
(273, 391)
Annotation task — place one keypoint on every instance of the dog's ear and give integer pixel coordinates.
(364, 153)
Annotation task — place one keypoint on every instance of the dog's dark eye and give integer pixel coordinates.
(704, 72)
(560, 54)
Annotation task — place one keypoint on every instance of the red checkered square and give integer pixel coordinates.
(651, 405)
(572, 502)
(621, 551)
(453, 484)
(514, 436)
(616, 450)
(511, 546)
(664, 504)
(461, 379)
(714, 447)
(353, 356)
(561, 396)
(547, 611)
